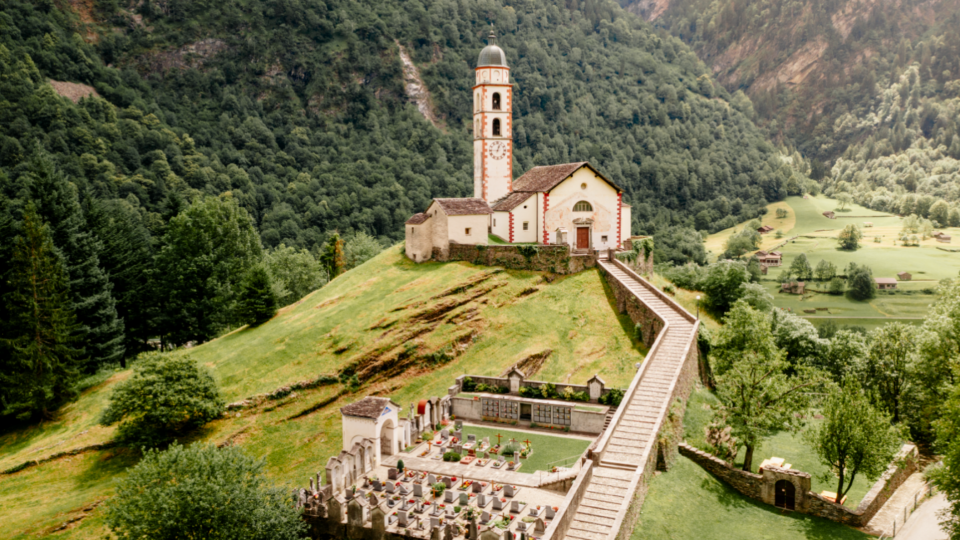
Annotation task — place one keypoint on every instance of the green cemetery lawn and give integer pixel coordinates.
(689, 503)
(370, 314)
(547, 449)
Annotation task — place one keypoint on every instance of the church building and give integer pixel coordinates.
(571, 204)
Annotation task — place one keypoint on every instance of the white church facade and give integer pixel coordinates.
(571, 204)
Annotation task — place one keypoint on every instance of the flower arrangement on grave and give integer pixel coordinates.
(466, 485)
(554, 469)
(438, 489)
(396, 497)
(481, 462)
(467, 460)
(497, 487)
(471, 513)
(495, 449)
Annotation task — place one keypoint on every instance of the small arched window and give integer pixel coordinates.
(496, 127)
(496, 101)
(582, 206)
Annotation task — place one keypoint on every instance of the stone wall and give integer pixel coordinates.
(627, 302)
(760, 486)
(556, 259)
(561, 522)
(671, 432)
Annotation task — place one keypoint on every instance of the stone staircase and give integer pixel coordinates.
(609, 418)
(631, 434)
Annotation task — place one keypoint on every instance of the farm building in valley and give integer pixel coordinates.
(793, 287)
(942, 237)
(885, 283)
(830, 214)
(765, 229)
(770, 258)
(904, 276)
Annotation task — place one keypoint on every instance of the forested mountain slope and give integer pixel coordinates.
(811, 65)
(298, 109)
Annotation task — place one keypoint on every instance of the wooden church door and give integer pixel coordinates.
(583, 237)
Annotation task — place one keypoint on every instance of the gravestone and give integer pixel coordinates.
(448, 532)
(472, 530)
(334, 510)
(435, 532)
(497, 503)
(390, 487)
(431, 479)
(458, 434)
(444, 434)
(485, 517)
(516, 507)
(448, 496)
(377, 486)
(483, 500)
(490, 534)
(500, 458)
(392, 473)
(464, 499)
(458, 425)
(471, 438)
(551, 513)
(478, 487)
(402, 518)
(458, 448)
(510, 491)
(507, 535)
(540, 526)
(486, 455)
(372, 498)
(418, 490)
(521, 526)
(447, 482)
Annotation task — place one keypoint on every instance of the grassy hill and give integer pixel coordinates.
(406, 330)
(806, 230)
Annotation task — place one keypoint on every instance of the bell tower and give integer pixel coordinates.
(492, 124)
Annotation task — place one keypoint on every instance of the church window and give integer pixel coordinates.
(496, 127)
(582, 206)
(603, 239)
(496, 101)
(467, 231)
(526, 225)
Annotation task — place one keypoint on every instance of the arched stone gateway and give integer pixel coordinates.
(785, 495)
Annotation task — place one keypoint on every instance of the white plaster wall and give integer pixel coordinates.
(356, 429)
(493, 74)
(541, 215)
(501, 225)
(601, 195)
(625, 217)
(439, 226)
(527, 211)
(457, 225)
(419, 241)
(495, 168)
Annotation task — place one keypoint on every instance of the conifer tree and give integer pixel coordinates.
(332, 257)
(127, 257)
(100, 331)
(257, 301)
(38, 364)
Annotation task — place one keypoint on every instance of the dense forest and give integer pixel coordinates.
(161, 159)
(868, 92)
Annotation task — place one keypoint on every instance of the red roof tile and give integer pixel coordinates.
(417, 219)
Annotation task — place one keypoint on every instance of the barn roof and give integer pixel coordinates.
(885, 280)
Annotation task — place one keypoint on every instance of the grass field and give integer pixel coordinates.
(547, 449)
(409, 330)
(807, 231)
(689, 503)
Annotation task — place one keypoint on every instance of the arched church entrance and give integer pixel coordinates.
(386, 438)
(785, 495)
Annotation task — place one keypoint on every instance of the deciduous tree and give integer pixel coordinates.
(850, 237)
(257, 301)
(888, 365)
(722, 283)
(204, 493)
(860, 284)
(854, 438)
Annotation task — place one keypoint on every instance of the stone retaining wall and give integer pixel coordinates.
(627, 302)
(760, 486)
(554, 259)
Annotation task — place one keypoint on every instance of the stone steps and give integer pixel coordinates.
(609, 489)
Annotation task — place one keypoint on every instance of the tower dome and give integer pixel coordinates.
(491, 55)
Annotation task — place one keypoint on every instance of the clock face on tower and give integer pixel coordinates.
(498, 150)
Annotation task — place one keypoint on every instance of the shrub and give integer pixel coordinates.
(468, 385)
(452, 457)
(257, 300)
(167, 396)
(836, 286)
(438, 489)
(613, 397)
(400, 465)
(201, 492)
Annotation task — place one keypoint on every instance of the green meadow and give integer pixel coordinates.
(407, 330)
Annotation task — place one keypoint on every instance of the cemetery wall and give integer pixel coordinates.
(466, 408)
(554, 259)
(760, 487)
(671, 431)
(561, 522)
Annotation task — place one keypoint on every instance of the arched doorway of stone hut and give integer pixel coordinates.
(785, 495)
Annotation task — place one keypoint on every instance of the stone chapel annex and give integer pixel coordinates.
(572, 203)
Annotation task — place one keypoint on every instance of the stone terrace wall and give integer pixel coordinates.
(555, 259)
(639, 313)
(905, 464)
(745, 482)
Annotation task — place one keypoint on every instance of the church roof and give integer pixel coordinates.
(469, 206)
(368, 407)
(491, 55)
(417, 218)
(510, 201)
(540, 179)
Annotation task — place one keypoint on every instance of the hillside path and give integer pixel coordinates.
(625, 447)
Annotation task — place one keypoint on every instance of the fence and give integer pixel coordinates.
(921, 495)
